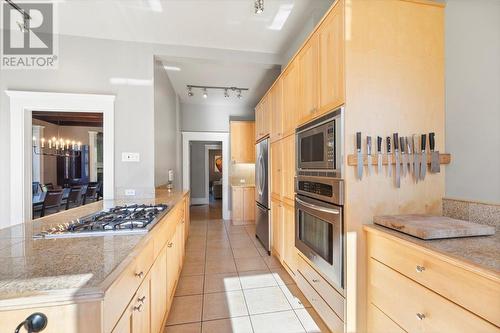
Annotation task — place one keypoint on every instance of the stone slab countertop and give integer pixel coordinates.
(478, 253)
(67, 268)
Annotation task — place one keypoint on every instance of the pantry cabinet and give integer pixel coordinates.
(243, 203)
(288, 222)
(263, 118)
(308, 60)
(276, 95)
(277, 228)
(242, 143)
(275, 167)
(288, 169)
(290, 99)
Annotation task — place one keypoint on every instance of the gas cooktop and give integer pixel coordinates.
(130, 219)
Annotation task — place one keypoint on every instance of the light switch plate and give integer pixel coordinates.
(130, 192)
(130, 157)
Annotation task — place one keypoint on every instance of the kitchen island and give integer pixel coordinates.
(87, 284)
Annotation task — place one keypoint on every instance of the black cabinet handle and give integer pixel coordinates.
(36, 322)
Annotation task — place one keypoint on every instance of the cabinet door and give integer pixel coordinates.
(237, 206)
(141, 308)
(288, 216)
(124, 325)
(179, 237)
(277, 228)
(242, 145)
(277, 111)
(331, 65)
(249, 204)
(159, 291)
(172, 268)
(288, 168)
(309, 80)
(290, 99)
(276, 169)
(266, 115)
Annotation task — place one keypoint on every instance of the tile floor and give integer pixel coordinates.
(230, 284)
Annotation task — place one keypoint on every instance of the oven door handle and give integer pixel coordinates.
(318, 208)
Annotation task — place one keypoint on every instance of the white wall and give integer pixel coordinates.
(165, 127)
(473, 99)
(211, 118)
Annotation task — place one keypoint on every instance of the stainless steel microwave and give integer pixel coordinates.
(319, 144)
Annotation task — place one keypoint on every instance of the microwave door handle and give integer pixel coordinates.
(318, 208)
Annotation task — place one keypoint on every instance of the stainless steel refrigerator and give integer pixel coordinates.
(262, 230)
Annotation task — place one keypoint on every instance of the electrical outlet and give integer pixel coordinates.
(130, 192)
(130, 157)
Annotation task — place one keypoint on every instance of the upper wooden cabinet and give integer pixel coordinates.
(331, 60)
(309, 79)
(276, 95)
(263, 118)
(288, 169)
(276, 159)
(242, 141)
(290, 99)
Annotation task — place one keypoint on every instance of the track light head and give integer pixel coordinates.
(226, 93)
(239, 94)
(205, 94)
(190, 92)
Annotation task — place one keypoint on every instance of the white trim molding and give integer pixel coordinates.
(208, 136)
(22, 103)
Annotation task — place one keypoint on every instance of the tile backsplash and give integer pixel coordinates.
(242, 171)
(476, 212)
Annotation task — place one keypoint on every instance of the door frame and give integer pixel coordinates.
(21, 104)
(186, 156)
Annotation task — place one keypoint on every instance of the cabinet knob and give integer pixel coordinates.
(420, 269)
(140, 275)
(138, 308)
(142, 299)
(420, 316)
(170, 244)
(315, 280)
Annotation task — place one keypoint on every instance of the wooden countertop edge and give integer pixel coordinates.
(451, 259)
(77, 295)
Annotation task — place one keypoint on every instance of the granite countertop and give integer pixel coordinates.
(66, 267)
(479, 253)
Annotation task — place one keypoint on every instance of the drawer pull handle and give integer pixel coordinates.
(315, 280)
(420, 316)
(142, 299)
(420, 269)
(170, 244)
(140, 275)
(138, 308)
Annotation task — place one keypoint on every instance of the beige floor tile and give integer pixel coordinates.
(231, 325)
(277, 322)
(195, 246)
(311, 321)
(257, 279)
(193, 269)
(271, 261)
(185, 309)
(239, 243)
(295, 297)
(220, 266)
(218, 244)
(281, 276)
(236, 230)
(262, 251)
(222, 282)
(250, 264)
(246, 252)
(190, 285)
(184, 328)
(224, 305)
(264, 300)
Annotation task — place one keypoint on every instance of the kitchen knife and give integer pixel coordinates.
(396, 157)
(416, 157)
(435, 166)
(409, 149)
(369, 153)
(389, 156)
(360, 156)
(379, 154)
(403, 155)
(423, 161)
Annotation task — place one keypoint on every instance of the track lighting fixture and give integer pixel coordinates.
(226, 93)
(205, 89)
(205, 94)
(190, 92)
(259, 6)
(239, 94)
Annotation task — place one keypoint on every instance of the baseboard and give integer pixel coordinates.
(199, 201)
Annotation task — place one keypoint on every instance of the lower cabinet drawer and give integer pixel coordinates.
(378, 322)
(416, 308)
(334, 323)
(329, 294)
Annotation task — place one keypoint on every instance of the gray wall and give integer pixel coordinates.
(473, 99)
(212, 118)
(165, 127)
(197, 168)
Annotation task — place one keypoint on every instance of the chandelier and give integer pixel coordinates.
(57, 147)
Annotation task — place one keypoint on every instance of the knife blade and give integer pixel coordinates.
(403, 155)
(389, 156)
(360, 156)
(369, 153)
(409, 148)
(423, 161)
(396, 157)
(379, 154)
(435, 165)
(416, 156)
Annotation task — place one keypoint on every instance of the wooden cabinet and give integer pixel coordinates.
(136, 318)
(275, 167)
(263, 118)
(243, 203)
(290, 99)
(277, 228)
(276, 95)
(331, 59)
(290, 253)
(159, 291)
(172, 267)
(242, 144)
(309, 80)
(288, 169)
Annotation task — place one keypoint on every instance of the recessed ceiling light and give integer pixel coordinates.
(172, 68)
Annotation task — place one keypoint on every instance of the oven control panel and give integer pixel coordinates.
(330, 151)
(316, 188)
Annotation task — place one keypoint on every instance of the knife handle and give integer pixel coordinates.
(409, 145)
(369, 145)
(358, 141)
(402, 143)
(388, 142)
(379, 144)
(415, 143)
(423, 142)
(432, 141)
(396, 141)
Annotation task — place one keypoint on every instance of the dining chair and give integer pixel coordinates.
(74, 197)
(52, 201)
